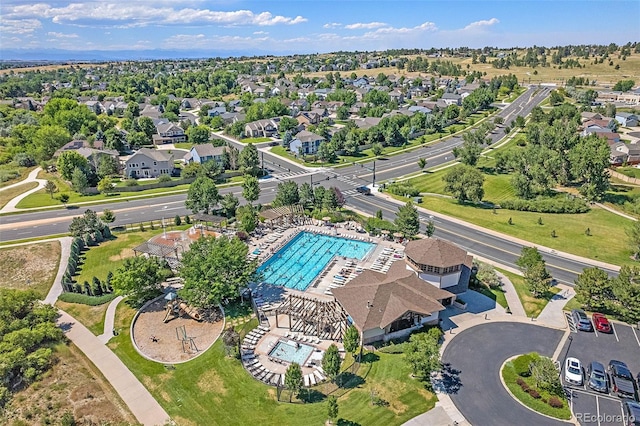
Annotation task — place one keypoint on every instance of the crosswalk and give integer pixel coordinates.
(285, 175)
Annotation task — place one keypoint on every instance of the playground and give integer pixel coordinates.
(167, 330)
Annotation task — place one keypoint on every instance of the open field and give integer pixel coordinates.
(32, 266)
(532, 305)
(9, 194)
(213, 389)
(91, 317)
(72, 387)
(9, 169)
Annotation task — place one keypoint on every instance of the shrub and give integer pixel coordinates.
(187, 219)
(521, 365)
(164, 178)
(534, 393)
(394, 349)
(130, 182)
(547, 205)
(404, 189)
(177, 221)
(522, 384)
(555, 402)
(83, 299)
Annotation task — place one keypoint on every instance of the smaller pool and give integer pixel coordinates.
(290, 351)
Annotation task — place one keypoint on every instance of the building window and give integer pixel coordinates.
(155, 163)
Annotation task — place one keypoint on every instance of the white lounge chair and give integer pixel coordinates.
(306, 380)
(312, 379)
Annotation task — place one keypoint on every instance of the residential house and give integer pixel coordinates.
(386, 306)
(93, 155)
(367, 122)
(626, 119)
(588, 116)
(308, 118)
(202, 153)
(216, 111)
(623, 153)
(94, 106)
(261, 128)
(231, 117)
(148, 163)
(419, 108)
(397, 96)
(168, 133)
(452, 99)
(306, 143)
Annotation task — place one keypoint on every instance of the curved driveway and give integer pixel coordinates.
(475, 356)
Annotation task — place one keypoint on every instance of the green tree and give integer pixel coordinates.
(327, 152)
(79, 180)
(468, 153)
(137, 139)
(177, 220)
(422, 163)
(465, 183)
(108, 216)
(293, 379)
(545, 374)
(247, 218)
(379, 214)
(202, 196)
(106, 185)
(64, 198)
(332, 407)
(214, 269)
(250, 188)
(537, 279)
(555, 98)
(422, 353)
(351, 339)
(145, 124)
(50, 187)
(593, 289)
(139, 278)
(68, 161)
(329, 200)
(229, 204)
(529, 256)
(624, 85)
(287, 194)
(198, 134)
(430, 229)
(407, 220)
(248, 160)
(626, 291)
(633, 237)
(191, 170)
(331, 362)
(376, 149)
(487, 275)
(287, 124)
(306, 194)
(47, 139)
(590, 161)
(107, 165)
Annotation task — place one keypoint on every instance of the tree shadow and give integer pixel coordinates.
(311, 396)
(450, 379)
(344, 422)
(370, 357)
(348, 380)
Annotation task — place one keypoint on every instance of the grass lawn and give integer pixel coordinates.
(9, 194)
(183, 145)
(91, 317)
(109, 255)
(11, 170)
(532, 305)
(255, 140)
(213, 389)
(32, 266)
(497, 295)
(510, 376)
(633, 172)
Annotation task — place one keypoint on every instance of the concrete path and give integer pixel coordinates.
(141, 403)
(514, 302)
(109, 320)
(31, 177)
(11, 205)
(553, 313)
(56, 288)
(614, 211)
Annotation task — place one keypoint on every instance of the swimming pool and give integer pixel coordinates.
(298, 263)
(289, 351)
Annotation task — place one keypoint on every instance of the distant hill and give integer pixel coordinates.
(57, 55)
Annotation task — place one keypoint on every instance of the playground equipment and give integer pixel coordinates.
(187, 342)
(175, 308)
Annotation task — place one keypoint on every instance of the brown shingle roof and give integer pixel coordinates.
(374, 300)
(435, 252)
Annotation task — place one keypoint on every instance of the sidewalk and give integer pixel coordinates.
(109, 320)
(141, 403)
(31, 177)
(56, 288)
(553, 313)
(11, 205)
(514, 302)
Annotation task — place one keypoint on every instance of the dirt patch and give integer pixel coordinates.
(391, 392)
(163, 342)
(210, 382)
(32, 266)
(127, 252)
(72, 385)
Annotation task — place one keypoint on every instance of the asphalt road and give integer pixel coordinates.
(472, 369)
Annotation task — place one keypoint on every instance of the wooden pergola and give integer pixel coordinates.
(314, 317)
(278, 215)
(209, 219)
(157, 250)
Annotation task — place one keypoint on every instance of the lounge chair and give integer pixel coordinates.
(312, 379)
(319, 376)
(306, 380)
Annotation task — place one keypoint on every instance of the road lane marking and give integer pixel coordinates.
(614, 332)
(24, 233)
(634, 333)
(598, 409)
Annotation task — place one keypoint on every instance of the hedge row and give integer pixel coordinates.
(547, 205)
(83, 299)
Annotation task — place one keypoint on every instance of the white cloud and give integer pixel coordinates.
(19, 26)
(135, 14)
(199, 41)
(332, 25)
(62, 35)
(366, 26)
(260, 32)
(481, 24)
(405, 31)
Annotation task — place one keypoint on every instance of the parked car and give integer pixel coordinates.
(580, 320)
(364, 190)
(631, 413)
(597, 377)
(573, 371)
(621, 380)
(601, 323)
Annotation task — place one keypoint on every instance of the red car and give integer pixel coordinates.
(601, 323)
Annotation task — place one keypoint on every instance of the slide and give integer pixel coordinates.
(192, 312)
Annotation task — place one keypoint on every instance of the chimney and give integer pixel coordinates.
(369, 305)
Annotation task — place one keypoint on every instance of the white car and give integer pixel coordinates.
(573, 371)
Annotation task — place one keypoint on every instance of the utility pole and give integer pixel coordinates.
(262, 161)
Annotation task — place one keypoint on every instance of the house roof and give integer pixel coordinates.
(208, 150)
(435, 252)
(374, 299)
(156, 154)
(306, 136)
(165, 127)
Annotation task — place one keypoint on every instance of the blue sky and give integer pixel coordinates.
(304, 26)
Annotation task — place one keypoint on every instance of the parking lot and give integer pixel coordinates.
(590, 407)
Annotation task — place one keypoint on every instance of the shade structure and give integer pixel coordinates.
(326, 219)
(398, 234)
(171, 296)
(384, 232)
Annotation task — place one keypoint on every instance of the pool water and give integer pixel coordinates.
(298, 263)
(287, 350)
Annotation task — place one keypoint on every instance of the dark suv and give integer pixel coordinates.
(597, 377)
(581, 321)
(631, 413)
